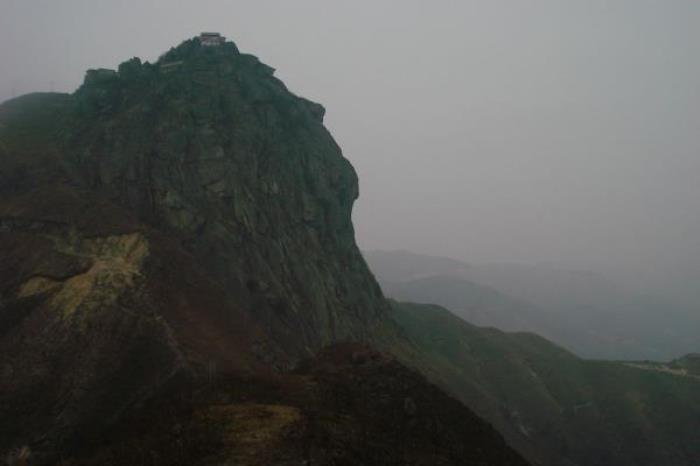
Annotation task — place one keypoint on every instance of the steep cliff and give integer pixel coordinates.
(208, 145)
(173, 237)
(164, 221)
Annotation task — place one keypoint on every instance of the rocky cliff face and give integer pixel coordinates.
(208, 145)
(165, 221)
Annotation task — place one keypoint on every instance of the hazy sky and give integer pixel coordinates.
(525, 131)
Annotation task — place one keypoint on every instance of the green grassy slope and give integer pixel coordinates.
(553, 406)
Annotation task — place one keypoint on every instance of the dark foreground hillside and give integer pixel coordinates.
(350, 405)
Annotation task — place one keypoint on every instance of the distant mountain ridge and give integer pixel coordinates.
(579, 310)
(547, 287)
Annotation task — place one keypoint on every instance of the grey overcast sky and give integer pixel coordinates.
(523, 131)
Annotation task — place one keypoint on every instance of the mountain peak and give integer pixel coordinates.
(193, 70)
(207, 145)
(239, 199)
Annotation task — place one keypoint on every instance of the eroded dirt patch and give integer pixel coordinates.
(251, 431)
(116, 262)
